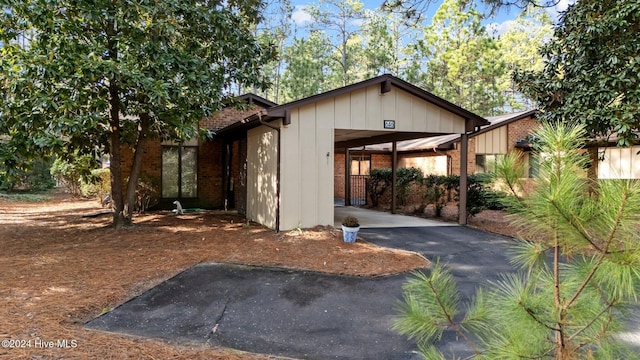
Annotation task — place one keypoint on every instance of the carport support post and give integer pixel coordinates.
(394, 164)
(462, 203)
(347, 178)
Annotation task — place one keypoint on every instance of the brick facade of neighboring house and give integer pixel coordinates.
(210, 159)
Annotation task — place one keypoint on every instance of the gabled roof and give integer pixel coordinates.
(385, 81)
(444, 142)
(258, 100)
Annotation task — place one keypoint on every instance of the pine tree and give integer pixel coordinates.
(577, 274)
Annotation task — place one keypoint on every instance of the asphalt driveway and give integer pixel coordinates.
(304, 314)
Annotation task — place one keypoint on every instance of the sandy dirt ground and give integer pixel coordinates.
(59, 269)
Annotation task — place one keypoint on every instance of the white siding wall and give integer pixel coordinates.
(619, 163)
(262, 167)
(307, 170)
(366, 109)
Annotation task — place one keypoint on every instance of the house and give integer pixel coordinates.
(286, 154)
(194, 172)
(613, 162)
(440, 155)
(283, 165)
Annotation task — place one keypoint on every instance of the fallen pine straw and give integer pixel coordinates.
(58, 270)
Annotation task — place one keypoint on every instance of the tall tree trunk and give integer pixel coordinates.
(115, 157)
(136, 167)
(114, 127)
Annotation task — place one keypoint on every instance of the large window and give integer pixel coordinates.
(486, 163)
(533, 165)
(179, 172)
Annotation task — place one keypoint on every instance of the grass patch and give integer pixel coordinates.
(26, 196)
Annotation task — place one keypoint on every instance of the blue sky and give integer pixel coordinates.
(500, 23)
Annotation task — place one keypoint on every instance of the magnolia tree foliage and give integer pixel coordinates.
(591, 68)
(577, 274)
(81, 75)
(415, 10)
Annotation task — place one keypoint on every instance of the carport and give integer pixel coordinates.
(290, 148)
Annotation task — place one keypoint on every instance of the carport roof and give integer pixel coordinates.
(445, 142)
(472, 121)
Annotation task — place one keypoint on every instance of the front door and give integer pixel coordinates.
(241, 192)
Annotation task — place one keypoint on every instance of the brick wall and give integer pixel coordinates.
(152, 163)
(210, 160)
(210, 174)
(519, 130)
(338, 175)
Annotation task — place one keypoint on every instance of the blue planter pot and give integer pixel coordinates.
(349, 234)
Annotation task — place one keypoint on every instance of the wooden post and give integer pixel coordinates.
(347, 178)
(462, 204)
(394, 165)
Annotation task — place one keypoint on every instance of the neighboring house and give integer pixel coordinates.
(288, 152)
(613, 162)
(440, 155)
(194, 172)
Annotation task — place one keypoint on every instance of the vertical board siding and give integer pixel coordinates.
(342, 112)
(290, 174)
(262, 161)
(307, 160)
(308, 166)
(492, 142)
(358, 112)
(306, 170)
(373, 107)
(619, 163)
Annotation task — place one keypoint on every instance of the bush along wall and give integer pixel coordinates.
(436, 190)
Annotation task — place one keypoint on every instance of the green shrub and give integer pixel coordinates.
(98, 184)
(405, 177)
(436, 188)
(440, 189)
(30, 175)
(70, 172)
(378, 183)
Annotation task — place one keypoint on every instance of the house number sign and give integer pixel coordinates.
(389, 124)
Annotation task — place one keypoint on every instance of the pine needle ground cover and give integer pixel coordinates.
(59, 270)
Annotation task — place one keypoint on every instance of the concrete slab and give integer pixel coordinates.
(379, 219)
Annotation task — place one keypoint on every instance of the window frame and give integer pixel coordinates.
(180, 171)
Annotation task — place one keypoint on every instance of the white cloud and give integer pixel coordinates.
(561, 6)
(300, 16)
(497, 29)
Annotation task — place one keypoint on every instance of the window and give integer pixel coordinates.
(360, 164)
(179, 172)
(533, 165)
(486, 163)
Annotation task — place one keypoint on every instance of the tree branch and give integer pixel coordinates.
(603, 252)
(452, 323)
